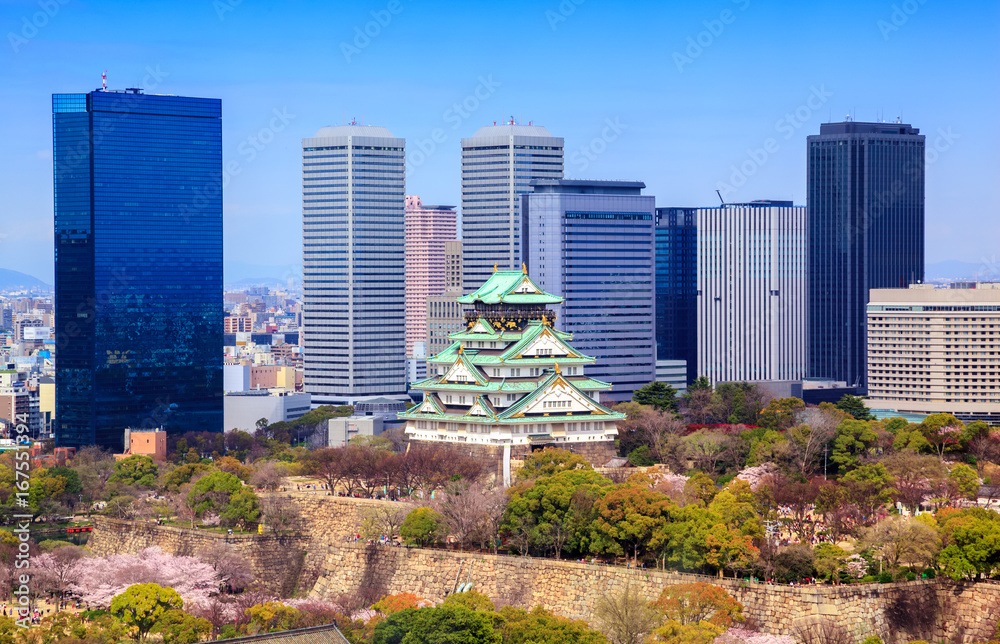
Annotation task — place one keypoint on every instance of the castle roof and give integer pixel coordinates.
(510, 287)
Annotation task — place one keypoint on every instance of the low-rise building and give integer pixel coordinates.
(244, 408)
(933, 350)
(146, 442)
(341, 430)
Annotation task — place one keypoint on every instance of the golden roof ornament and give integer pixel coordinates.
(494, 268)
(558, 370)
(524, 268)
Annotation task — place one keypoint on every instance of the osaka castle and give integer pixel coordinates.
(511, 383)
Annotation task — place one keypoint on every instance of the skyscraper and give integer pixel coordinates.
(591, 243)
(353, 209)
(444, 314)
(138, 248)
(498, 164)
(428, 229)
(676, 287)
(752, 291)
(865, 187)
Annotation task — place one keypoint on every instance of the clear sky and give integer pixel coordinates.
(678, 95)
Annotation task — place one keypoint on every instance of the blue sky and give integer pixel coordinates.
(675, 94)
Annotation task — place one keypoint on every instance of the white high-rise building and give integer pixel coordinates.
(353, 209)
(752, 291)
(498, 164)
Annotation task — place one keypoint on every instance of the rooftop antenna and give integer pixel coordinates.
(104, 81)
(720, 197)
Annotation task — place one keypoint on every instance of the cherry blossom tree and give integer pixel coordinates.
(100, 579)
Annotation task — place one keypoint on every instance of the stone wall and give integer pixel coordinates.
(322, 562)
(898, 613)
(277, 561)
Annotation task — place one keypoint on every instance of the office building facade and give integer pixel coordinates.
(138, 264)
(677, 288)
(498, 164)
(935, 350)
(752, 291)
(865, 190)
(444, 313)
(353, 211)
(592, 244)
(428, 229)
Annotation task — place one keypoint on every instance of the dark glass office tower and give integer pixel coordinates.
(138, 248)
(676, 287)
(866, 230)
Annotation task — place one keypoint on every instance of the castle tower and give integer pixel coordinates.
(511, 383)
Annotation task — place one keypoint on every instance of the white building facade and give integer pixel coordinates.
(752, 305)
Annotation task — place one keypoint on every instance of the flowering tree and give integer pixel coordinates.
(101, 579)
(57, 569)
(756, 475)
(857, 566)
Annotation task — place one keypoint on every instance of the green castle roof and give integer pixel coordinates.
(510, 287)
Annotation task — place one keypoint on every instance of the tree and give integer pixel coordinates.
(855, 406)
(242, 509)
(699, 602)
(383, 520)
(394, 603)
(658, 395)
(142, 605)
(446, 624)
(518, 626)
(328, 464)
(916, 476)
(829, 561)
(780, 413)
(700, 486)
(869, 487)
(178, 627)
(100, 579)
(56, 570)
(181, 475)
(794, 563)
(971, 542)
(473, 600)
(944, 432)
(641, 457)
(230, 567)
(234, 467)
(560, 509)
(272, 616)
(212, 493)
(549, 461)
(624, 616)
(853, 439)
(267, 475)
(422, 526)
(278, 513)
(902, 540)
(626, 519)
(138, 471)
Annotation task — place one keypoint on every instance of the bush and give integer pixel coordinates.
(868, 579)
(885, 578)
(641, 457)
(911, 576)
(929, 573)
(874, 639)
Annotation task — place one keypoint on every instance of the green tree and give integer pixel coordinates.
(422, 527)
(135, 470)
(242, 509)
(270, 617)
(72, 484)
(971, 540)
(549, 461)
(965, 481)
(446, 624)
(177, 627)
(658, 395)
(518, 626)
(641, 457)
(558, 509)
(181, 475)
(853, 438)
(869, 486)
(471, 599)
(143, 605)
(944, 432)
(829, 560)
(212, 493)
(780, 413)
(700, 486)
(627, 519)
(855, 406)
(902, 540)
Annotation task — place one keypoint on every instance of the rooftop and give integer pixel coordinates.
(508, 129)
(862, 127)
(586, 186)
(510, 287)
(330, 132)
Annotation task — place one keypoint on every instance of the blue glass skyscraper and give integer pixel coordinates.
(591, 243)
(138, 248)
(866, 230)
(677, 287)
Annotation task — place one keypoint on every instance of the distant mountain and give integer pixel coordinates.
(242, 274)
(12, 281)
(954, 270)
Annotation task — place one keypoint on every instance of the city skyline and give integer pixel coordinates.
(666, 92)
